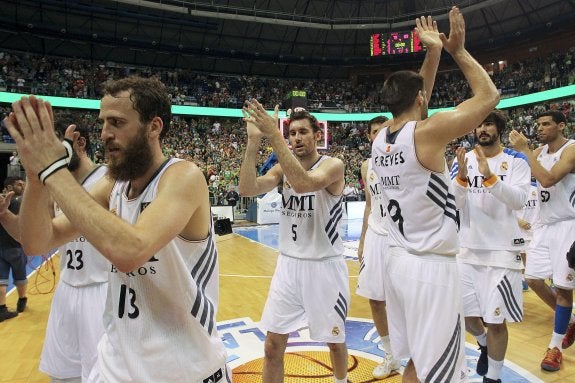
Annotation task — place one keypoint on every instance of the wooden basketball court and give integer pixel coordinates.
(246, 267)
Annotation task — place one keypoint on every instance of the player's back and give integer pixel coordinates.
(420, 204)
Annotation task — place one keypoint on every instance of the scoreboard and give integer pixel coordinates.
(395, 43)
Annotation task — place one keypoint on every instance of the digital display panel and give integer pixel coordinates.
(395, 43)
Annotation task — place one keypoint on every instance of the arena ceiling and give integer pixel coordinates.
(284, 38)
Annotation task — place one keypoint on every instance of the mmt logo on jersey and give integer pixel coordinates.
(307, 360)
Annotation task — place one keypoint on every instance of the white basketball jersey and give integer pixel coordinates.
(160, 319)
(376, 220)
(488, 212)
(557, 201)
(420, 204)
(80, 263)
(309, 222)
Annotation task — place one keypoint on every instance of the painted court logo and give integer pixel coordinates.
(306, 360)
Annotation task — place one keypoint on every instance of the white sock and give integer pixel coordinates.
(494, 370)
(482, 339)
(556, 341)
(386, 343)
(336, 380)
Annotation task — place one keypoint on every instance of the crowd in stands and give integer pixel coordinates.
(53, 76)
(216, 144)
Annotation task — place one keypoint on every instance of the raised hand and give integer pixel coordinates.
(462, 161)
(255, 114)
(426, 29)
(5, 199)
(518, 141)
(482, 162)
(253, 131)
(31, 125)
(456, 40)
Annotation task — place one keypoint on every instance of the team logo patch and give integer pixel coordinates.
(570, 277)
(497, 312)
(388, 149)
(335, 331)
(504, 165)
(309, 361)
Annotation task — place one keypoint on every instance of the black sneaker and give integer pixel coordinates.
(21, 305)
(7, 315)
(487, 380)
(482, 362)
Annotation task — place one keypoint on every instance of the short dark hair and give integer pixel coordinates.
(499, 119)
(10, 181)
(149, 98)
(376, 120)
(302, 115)
(557, 116)
(400, 90)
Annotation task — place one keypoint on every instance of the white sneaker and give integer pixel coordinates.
(386, 367)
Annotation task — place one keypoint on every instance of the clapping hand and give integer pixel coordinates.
(256, 115)
(462, 163)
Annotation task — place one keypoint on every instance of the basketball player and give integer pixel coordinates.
(75, 323)
(372, 242)
(150, 218)
(310, 286)
(490, 183)
(421, 277)
(553, 165)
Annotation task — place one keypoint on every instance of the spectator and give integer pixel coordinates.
(12, 256)
(232, 196)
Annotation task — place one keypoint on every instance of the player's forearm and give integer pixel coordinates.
(117, 240)
(512, 196)
(297, 176)
(542, 175)
(460, 190)
(481, 84)
(35, 219)
(248, 176)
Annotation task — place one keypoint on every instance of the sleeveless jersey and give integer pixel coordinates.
(376, 220)
(309, 222)
(557, 201)
(488, 221)
(160, 319)
(420, 205)
(80, 263)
